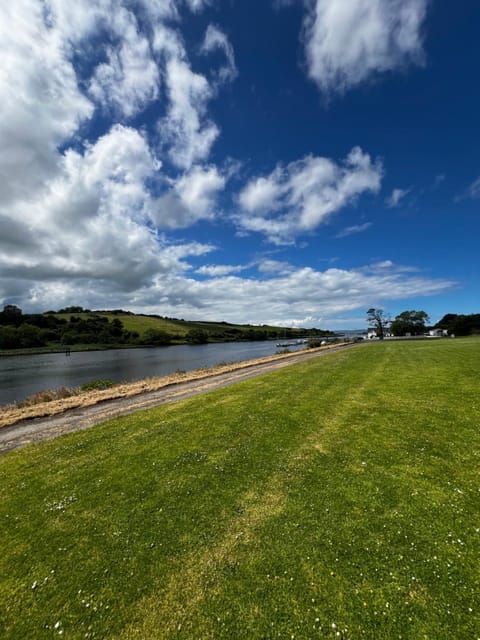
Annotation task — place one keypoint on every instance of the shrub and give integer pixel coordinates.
(156, 337)
(97, 385)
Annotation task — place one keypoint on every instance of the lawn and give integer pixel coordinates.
(338, 498)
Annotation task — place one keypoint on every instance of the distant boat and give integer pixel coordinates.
(291, 344)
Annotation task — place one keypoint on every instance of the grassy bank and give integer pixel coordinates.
(338, 498)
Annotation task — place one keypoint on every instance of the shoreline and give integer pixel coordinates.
(44, 411)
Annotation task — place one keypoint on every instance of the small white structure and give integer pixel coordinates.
(371, 334)
(438, 333)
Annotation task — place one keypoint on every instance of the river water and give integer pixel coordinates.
(22, 376)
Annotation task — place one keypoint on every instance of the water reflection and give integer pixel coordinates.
(22, 376)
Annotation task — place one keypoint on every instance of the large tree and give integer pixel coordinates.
(377, 319)
(412, 322)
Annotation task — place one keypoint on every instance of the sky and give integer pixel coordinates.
(287, 162)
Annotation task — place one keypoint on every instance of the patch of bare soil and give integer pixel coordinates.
(21, 426)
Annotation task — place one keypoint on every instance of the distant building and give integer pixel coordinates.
(371, 334)
(438, 333)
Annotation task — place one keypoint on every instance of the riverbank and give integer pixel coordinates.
(11, 414)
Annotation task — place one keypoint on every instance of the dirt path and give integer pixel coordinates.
(44, 428)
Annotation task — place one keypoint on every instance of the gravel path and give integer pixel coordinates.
(39, 429)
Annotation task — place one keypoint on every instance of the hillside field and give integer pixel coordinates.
(336, 498)
(180, 328)
(80, 329)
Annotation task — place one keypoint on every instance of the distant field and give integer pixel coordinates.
(172, 326)
(338, 498)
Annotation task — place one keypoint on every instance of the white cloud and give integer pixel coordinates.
(216, 39)
(356, 228)
(218, 270)
(262, 194)
(198, 188)
(396, 197)
(198, 5)
(41, 104)
(185, 130)
(190, 198)
(299, 197)
(79, 220)
(275, 266)
(79, 202)
(91, 220)
(130, 79)
(293, 295)
(348, 42)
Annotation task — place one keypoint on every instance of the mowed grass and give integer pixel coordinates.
(338, 498)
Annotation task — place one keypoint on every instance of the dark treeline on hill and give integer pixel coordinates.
(23, 331)
(460, 325)
(74, 325)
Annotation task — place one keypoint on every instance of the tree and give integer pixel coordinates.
(377, 319)
(460, 325)
(412, 322)
(156, 337)
(11, 315)
(196, 336)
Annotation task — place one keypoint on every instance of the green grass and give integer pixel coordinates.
(140, 323)
(339, 498)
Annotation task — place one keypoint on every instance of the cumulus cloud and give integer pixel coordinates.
(299, 197)
(191, 197)
(91, 221)
(86, 216)
(186, 131)
(346, 43)
(41, 104)
(130, 78)
(198, 188)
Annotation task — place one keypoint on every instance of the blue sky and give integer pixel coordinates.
(293, 162)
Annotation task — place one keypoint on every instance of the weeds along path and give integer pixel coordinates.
(33, 430)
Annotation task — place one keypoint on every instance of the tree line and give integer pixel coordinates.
(23, 331)
(85, 327)
(416, 323)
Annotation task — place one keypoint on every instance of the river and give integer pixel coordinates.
(23, 376)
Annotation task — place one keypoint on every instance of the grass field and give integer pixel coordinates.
(338, 498)
(140, 323)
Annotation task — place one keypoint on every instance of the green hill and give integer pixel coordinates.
(80, 328)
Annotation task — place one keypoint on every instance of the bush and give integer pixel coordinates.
(156, 337)
(196, 336)
(97, 385)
